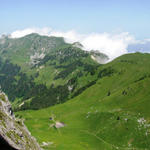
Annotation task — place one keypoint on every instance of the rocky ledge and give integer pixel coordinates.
(13, 133)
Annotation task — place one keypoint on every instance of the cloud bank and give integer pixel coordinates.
(21, 33)
(110, 44)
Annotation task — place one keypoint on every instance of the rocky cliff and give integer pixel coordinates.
(13, 133)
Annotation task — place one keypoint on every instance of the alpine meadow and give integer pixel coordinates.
(75, 75)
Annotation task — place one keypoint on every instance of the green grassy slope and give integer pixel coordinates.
(110, 115)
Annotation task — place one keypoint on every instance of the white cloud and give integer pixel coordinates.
(111, 44)
(21, 33)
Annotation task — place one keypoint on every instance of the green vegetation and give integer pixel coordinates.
(39, 71)
(2, 97)
(112, 114)
(109, 106)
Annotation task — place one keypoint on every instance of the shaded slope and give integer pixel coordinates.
(112, 114)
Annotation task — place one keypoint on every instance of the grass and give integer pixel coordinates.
(96, 121)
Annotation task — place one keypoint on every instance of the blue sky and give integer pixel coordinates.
(84, 16)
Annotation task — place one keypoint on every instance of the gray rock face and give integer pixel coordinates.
(13, 131)
(99, 57)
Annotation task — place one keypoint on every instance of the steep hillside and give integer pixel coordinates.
(113, 114)
(13, 134)
(39, 71)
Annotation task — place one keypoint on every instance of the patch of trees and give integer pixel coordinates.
(90, 68)
(48, 97)
(8, 72)
(124, 92)
(46, 59)
(72, 80)
(25, 88)
(128, 61)
(142, 78)
(68, 69)
(106, 72)
(109, 93)
(79, 91)
(70, 53)
(9, 68)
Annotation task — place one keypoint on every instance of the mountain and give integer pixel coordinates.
(142, 47)
(39, 71)
(112, 114)
(13, 134)
(99, 105)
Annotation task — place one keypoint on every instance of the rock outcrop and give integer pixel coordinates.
(13, 133)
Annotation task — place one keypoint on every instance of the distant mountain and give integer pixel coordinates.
(141, 47)
(39, 71)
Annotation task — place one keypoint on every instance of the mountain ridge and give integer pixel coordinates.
(41, 64)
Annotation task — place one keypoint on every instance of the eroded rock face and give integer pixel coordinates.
(99, 57)
(13, 133)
